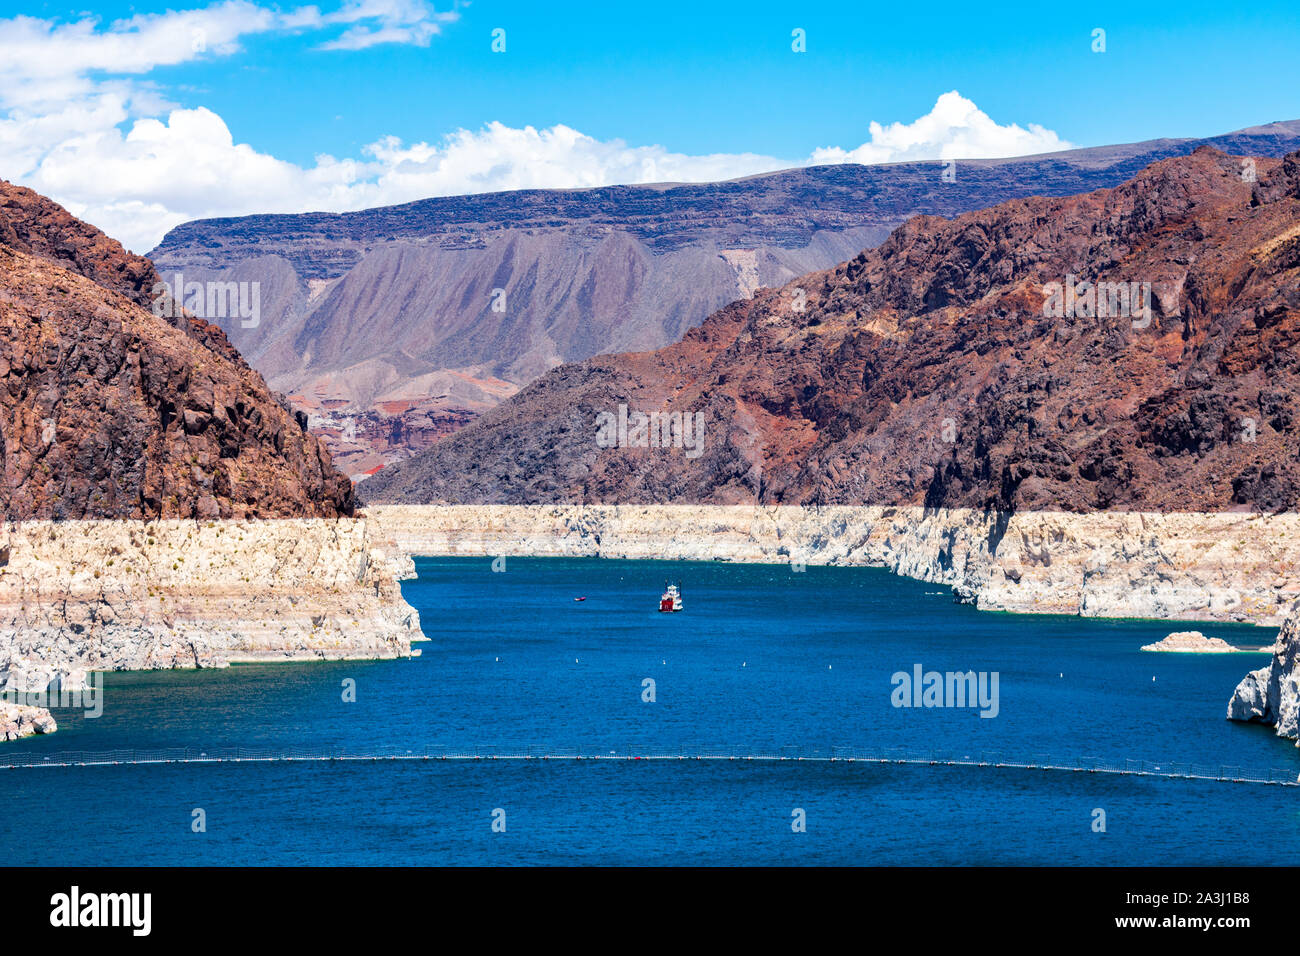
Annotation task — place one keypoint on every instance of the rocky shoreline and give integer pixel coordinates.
(83, 596)
(1271, 695)
(1239, 567)
(22, 720)
(78, 596)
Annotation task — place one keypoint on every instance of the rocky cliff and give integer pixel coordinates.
(429, 313)
(39, 227)
(77, 596)
(1083, 405)
(107, 410)
(142, 463)
(1271, 695)
(1224, 567)
(964, 363)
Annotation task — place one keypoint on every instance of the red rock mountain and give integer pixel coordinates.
(107, 411)
(940, 369)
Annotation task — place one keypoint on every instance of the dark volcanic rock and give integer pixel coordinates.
(928, 371)
(108, 411)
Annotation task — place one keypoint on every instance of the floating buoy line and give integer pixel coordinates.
(1084, 765)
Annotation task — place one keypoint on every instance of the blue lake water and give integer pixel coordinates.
(762, 660)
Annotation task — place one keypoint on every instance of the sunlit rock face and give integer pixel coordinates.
(1271, 695)
(110, 411)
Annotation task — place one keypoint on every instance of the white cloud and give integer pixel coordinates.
(47, 61)
(501, 157)
(44, 61)
(954, 129)
(412, 22)
(79, 124)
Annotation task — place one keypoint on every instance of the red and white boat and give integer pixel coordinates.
(671, 599)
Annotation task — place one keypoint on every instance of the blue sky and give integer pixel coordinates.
(695, 79)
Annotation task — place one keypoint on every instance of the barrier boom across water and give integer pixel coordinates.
(189, 755)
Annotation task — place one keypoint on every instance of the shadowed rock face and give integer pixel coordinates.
(107, 411)
(927, 371)
(383, 323)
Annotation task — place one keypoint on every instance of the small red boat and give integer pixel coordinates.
(580, 599)
(671, 600)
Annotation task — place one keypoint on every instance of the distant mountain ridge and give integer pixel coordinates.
(393, 327)
(938, 370)
(751, 210)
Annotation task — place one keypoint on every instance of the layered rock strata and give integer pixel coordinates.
(1225, 567)
(78, 596)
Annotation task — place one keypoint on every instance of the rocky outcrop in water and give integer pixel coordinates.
(23, 720)
(1191, 642)
(1271, 695)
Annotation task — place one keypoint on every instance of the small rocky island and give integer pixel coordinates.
(1192, 642)
(21, 720)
